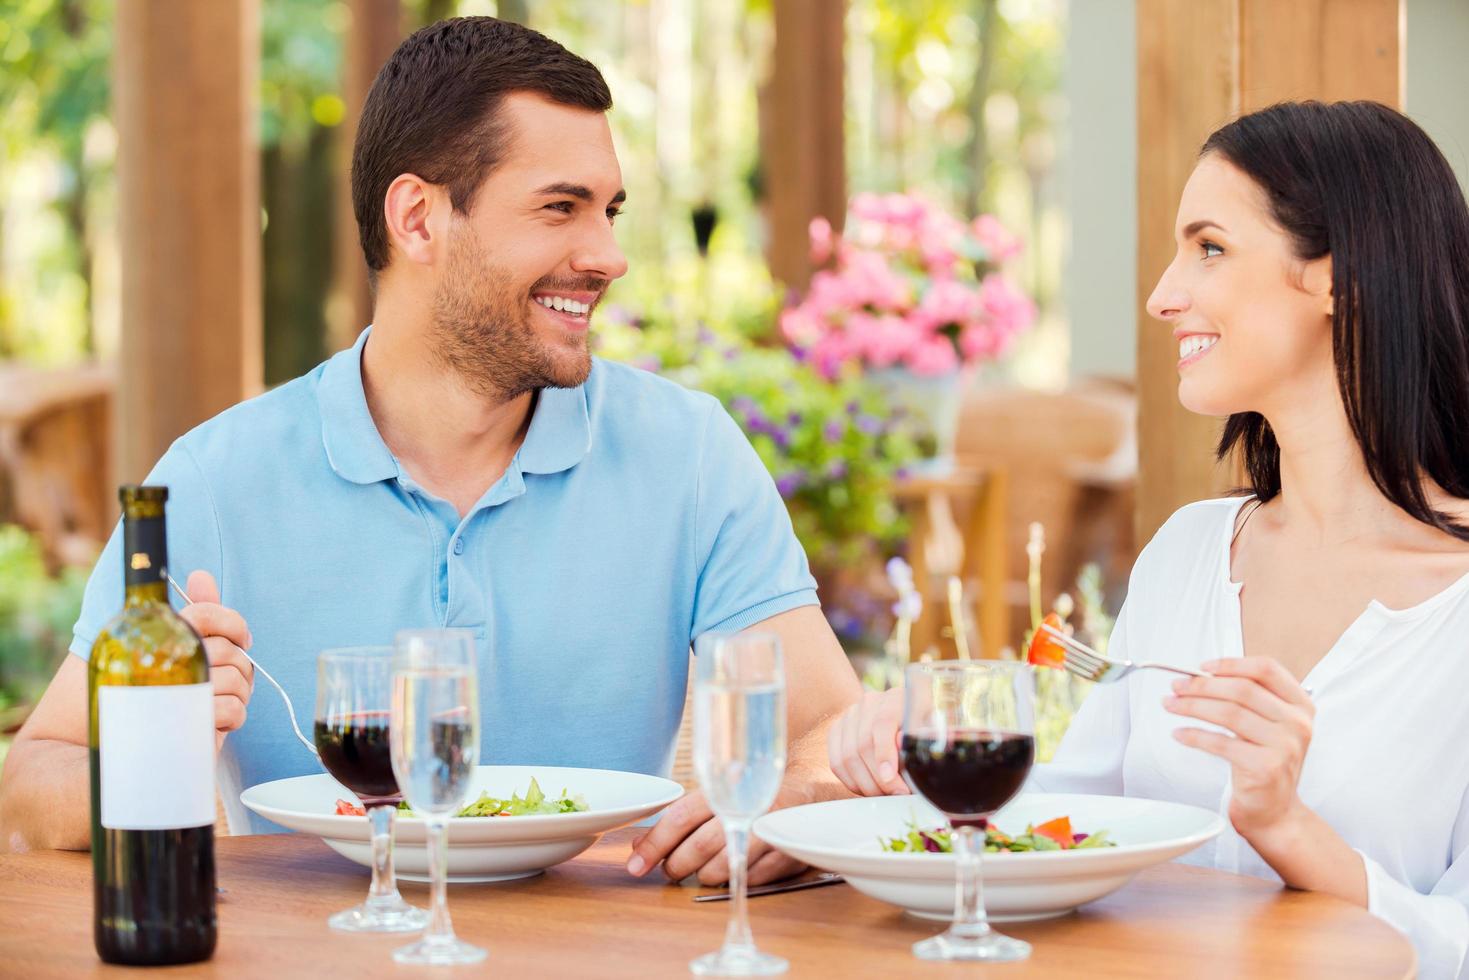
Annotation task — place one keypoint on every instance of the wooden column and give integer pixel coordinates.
(375, 33)
(1201, 63)
(189, 196)
(802, 141)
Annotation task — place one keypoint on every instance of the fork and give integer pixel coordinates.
(1085, 662)
(290, 709)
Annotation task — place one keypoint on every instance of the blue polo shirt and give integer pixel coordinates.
(635, 517)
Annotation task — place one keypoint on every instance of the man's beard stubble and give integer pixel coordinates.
(482, 330)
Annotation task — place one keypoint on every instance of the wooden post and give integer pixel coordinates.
(1201, 63)
(376, 32)
(189, 219)
(802, 147)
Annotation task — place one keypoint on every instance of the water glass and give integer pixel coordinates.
(968, 745)
(740, 759)
(435, 743)
(353, 694)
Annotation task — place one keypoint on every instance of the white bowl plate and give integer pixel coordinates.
(843, 835)
(480, 848)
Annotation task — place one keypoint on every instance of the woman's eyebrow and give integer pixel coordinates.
(1194, 227)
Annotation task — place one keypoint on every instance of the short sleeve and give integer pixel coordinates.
(193, 544)
(1091, 754)
(751, 566)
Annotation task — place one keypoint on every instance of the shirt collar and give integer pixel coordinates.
(354, 447)
(560, 432)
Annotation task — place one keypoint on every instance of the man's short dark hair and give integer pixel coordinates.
(433, 111)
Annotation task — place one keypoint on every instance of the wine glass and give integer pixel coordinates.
(968, 745)
(353, 693)
(739, 758)
(435, 742)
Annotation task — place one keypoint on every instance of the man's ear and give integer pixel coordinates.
(417, 217)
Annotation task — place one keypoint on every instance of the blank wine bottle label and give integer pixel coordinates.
(156, 749)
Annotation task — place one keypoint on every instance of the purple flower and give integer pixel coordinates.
(837, 470)
(789, 484)
(744, 405)
(793, 418)
(781, 436)
(853, 407)
(869, 424)
(902, 473)
(833, 430)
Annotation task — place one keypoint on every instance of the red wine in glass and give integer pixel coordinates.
(967, 773)
(354, 748)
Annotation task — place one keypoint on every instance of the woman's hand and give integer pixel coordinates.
(862, 745)
(1270, 715)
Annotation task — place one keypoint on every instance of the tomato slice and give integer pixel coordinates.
(1045, 650)
(345, 809)
(1059, 830)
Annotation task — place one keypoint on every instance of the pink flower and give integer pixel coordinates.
(801, 327)
(946, 302)
(821, 240)
(882, 340)
(999, 244)
(933, 356)
(1008, 310)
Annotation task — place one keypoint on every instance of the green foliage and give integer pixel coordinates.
(36, 616)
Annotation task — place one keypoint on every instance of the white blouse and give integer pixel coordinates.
(1388, 765)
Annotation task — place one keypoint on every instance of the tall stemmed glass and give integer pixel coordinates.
(435, 742)
(968, 744)
(739, 758)
(354, 689)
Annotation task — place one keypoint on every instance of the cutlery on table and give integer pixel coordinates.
(826, 878)
(290, 709)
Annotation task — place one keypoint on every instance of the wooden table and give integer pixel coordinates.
(588, 918)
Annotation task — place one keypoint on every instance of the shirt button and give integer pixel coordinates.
(458, 546)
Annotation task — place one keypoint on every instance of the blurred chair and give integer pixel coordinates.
(56, 457)
(1071, 462)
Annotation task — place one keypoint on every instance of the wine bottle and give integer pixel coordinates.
(152, 759)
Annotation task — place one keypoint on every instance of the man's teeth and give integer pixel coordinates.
(564, 305)
(1192, 344)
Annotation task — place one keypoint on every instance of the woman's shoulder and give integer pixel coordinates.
(1197, 535)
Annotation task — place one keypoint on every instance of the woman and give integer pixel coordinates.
(1320, 298)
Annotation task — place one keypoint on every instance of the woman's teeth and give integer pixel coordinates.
(564, 305)
(1194, 343)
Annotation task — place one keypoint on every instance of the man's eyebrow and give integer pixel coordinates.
(579, 191)
(1194, 227)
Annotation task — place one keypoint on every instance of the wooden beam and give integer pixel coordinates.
(1201, 63)
(189, 220)
(376, 31)
(803, 143)
(1187, 83)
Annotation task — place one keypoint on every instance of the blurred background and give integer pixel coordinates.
(175, 235)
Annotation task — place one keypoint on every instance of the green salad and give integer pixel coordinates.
(533, 803)
(1053, 835)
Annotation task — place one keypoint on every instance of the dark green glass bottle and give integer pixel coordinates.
(152, 753)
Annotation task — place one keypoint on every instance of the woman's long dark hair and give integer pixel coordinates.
(1362, 183)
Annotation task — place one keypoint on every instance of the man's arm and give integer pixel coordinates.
(820, 684)
(45, 790)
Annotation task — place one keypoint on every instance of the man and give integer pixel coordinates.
(467, 463)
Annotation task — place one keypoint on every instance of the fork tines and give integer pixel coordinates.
(1084, 665)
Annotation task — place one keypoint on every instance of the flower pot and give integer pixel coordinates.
(931, 401)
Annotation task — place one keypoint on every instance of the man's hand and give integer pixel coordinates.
(689, 839)
(226, 638)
